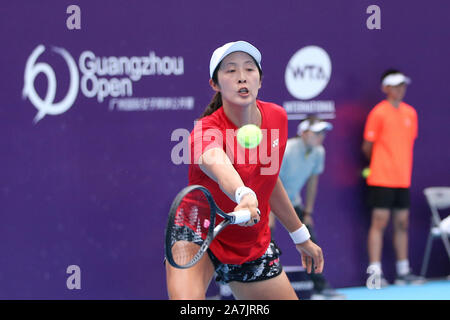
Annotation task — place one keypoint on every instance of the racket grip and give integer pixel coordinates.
(240, 216)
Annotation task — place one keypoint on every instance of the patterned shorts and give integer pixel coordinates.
(263, 268)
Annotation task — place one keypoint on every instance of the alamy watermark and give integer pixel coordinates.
(189, 148)
(374, 20)
(374, 280)
(74, 20)
(74, 280)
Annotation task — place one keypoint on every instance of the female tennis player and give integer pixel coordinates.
(242, 255)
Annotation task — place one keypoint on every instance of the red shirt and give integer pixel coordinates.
(393, 132)
(258, 169)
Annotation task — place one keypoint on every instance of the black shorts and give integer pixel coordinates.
(265, 267)
(388, 198)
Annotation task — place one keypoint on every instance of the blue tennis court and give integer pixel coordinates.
(432, 290)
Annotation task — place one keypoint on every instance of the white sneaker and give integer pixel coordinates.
(409, 278)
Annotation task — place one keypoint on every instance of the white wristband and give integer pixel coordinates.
(242, 191)
(300, 235)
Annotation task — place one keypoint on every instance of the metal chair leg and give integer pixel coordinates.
(426, 257)
(444, 238)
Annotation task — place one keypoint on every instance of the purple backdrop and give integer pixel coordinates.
(91, 184)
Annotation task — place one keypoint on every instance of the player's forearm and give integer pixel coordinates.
(282, 208)
(216, 164)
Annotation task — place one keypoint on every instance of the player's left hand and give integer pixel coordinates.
(310, 253)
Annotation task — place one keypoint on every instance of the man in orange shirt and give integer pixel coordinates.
(389, 135)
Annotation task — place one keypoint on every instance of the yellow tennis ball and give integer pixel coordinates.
(249, 136)
(365, 173)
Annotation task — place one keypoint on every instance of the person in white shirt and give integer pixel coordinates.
(303, 162)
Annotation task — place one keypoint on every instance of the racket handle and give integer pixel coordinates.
(240, 216)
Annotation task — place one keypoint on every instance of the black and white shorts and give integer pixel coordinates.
(265, 267)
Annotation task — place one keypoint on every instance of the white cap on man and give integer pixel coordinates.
(395, 79)
(314, 126)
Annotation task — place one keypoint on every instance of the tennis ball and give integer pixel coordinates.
(365, 173)
(249, 136)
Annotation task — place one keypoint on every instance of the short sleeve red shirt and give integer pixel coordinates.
(258, 169)
(393, 132)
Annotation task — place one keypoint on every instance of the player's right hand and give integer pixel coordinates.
(249, 202)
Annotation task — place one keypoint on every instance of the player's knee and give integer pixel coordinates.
(186, 294)
(178, 289)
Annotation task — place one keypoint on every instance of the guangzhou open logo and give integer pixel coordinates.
(103, 78)
(47, 105)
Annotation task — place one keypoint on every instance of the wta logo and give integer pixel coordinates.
(47, 105)
(308, 72)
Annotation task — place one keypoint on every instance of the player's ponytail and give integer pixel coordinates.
(216, 103)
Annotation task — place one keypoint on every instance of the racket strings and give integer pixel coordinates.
(191, 225)
(184, 252)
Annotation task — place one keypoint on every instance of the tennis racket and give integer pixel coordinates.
(191, 226)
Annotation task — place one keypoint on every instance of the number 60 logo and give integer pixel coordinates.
(47, 106)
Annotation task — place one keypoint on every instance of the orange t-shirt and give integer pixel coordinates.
(392, 131)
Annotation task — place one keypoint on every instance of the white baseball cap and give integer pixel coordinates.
(220, 53)
(395, 79)
(314, 126)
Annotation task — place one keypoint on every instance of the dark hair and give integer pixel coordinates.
(388, 72)
(216, 101)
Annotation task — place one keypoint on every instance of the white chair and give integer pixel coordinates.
(438, 198)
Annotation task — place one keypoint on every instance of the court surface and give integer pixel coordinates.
(432, 290)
